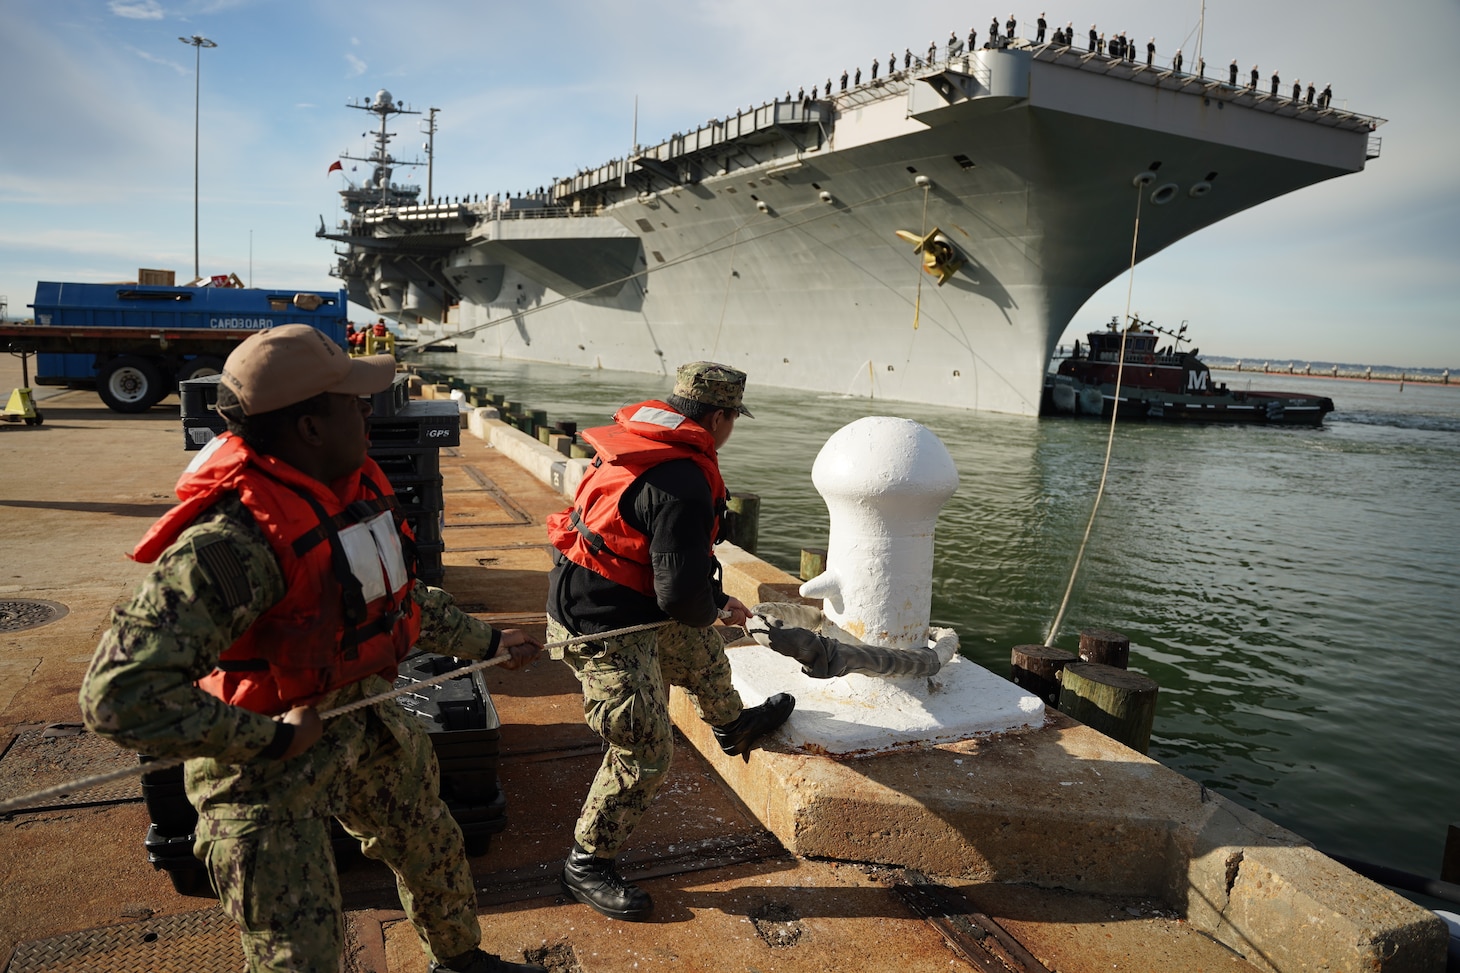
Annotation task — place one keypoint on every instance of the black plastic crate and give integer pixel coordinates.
(394, 399)
(465, 734)
(198, 432)
(459, 710)
(422, 422)
(428, 562)
(418, 494)
(200, 422)
(167, 800)
(426, 525)
(198, 396)
(174, 855)
(421, 461)
(479, 821)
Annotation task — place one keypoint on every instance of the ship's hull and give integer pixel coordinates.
(779, 253)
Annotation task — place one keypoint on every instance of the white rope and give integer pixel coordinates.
(1054, 627)
(85, 783)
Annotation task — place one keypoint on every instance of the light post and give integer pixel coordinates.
(198, 42)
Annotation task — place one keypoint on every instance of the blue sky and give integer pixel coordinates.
(96, 167)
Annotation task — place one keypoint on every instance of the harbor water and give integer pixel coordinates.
(1294, 592)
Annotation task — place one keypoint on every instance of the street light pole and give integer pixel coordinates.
(198, 42)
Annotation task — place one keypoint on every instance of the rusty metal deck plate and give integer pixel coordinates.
(193, 942)
(43, 756)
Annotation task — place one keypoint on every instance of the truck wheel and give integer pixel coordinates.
(200, 367)
(129, 383)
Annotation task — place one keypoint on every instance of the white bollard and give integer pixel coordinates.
(884, 481)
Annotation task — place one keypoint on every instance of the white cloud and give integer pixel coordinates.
(357, 66)
(137, 9)
(148, 56)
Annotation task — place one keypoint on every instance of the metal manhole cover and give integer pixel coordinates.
(194, 941)
(20, 614)
(43, 756)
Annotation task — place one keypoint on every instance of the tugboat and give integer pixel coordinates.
(1163, 384)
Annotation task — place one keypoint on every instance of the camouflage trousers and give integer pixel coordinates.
(264, 831)
(626, 684)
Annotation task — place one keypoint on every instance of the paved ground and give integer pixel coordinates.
(79, 490)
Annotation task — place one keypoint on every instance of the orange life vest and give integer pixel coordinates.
(593, 533)
(346, 612)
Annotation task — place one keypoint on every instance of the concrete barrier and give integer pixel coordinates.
(542, 461)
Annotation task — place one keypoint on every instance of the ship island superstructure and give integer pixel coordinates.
(792, 240)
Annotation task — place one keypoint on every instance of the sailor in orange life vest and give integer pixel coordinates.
(282, 584)
(637, 546)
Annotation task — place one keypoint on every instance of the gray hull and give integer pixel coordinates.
(769, 241)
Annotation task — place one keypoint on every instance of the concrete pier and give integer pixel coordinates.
(1087, 854)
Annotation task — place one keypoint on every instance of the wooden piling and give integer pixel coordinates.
(1106, 647)
(1037, 669)
(742, 524)
(1117, 702)
(813, 562)
(1450, 863)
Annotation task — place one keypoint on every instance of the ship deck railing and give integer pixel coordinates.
(1164, 75)
(779, 116)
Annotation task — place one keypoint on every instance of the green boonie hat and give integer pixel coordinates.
(718, 385)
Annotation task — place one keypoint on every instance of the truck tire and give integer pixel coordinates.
(200, 367)
(129, 383)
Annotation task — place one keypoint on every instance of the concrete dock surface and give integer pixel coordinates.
(966, 857)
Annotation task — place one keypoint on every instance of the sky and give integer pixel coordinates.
(97, 136)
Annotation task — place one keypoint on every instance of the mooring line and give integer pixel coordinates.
(1110, 438)
(84, 783)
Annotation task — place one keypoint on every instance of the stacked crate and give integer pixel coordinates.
(406, 441)
(465, 731)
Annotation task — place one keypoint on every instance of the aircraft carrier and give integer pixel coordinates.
(923, 237)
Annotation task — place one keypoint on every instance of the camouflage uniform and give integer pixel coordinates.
(626, 701)
(263, 825)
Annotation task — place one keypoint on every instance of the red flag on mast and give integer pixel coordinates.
(333, 166)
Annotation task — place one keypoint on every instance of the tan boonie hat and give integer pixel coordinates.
(293, 362)
(718, 385)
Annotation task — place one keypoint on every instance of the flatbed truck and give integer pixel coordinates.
(135, 343)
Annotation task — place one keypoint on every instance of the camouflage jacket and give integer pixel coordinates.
(139, 690)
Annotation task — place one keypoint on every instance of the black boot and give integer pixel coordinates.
(476, 961)
(595, 882)
(737, 736)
